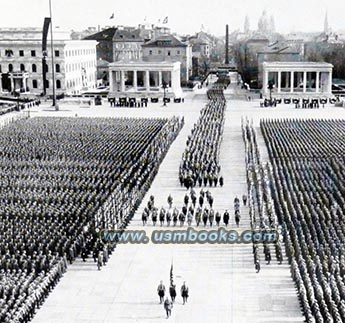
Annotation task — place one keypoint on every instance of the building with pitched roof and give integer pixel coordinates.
(128, 41)
(168, 48)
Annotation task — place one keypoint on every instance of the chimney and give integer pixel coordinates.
(227, 44)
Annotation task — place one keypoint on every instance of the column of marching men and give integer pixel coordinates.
(200, 161)
(263, 218)
(56, 175)
(308, 186)
(197, 210)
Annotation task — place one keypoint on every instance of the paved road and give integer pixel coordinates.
(222, 281)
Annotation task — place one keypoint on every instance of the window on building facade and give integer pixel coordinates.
(34, 84)
(58, 84)
(10, 67)
(47, 84)
(57, 53)
(21, 53)
(33, 53)
(57, 68)
(169, 53)
(34, 68)
(178, 52)
(8, 52)
(22, 67)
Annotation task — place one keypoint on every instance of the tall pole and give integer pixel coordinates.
(52, 54)
(227, 44)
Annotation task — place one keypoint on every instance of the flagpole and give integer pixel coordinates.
(52, 54)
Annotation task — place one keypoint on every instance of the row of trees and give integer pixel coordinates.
(330, 53)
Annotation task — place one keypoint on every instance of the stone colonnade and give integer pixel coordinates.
(303, 78)
(140, 75)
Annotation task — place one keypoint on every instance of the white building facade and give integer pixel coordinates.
(144, 79)
(21, 65)
(300, 79)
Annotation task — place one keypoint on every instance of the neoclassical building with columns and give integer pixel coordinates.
(300, 79)
(144, 79)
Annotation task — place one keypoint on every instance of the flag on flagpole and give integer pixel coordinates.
(112, 16)
(171, 275)
(165, 21)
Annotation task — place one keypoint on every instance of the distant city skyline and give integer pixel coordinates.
(184, 16)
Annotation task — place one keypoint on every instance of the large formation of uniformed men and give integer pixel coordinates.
(56, 176)
(308, 187)
(200, 161)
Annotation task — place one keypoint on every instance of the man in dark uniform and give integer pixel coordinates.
(226, 217)
(244, 199)
(201, 200)
(161, 291)
(257, 267)
(218, 218)
(184, 292)
(172, 292)
(168, 306)
(205, 217)
(237, 218)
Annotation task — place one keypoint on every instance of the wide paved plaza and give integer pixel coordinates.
(223, 283)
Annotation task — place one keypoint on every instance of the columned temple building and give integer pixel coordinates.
(297, 79)
(144, 79)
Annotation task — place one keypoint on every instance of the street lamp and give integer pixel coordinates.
(270, 87)
(164, 85)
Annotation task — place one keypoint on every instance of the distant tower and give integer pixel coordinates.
(246, 25)
(272, 26)
(263, 23)
(326, 25)
(227, 44)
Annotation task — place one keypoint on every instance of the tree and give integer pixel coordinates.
(330, 53)
(246, 61)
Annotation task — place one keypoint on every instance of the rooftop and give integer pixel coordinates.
(165, 41)
(106, 34)
(134, 35)
(307, 64)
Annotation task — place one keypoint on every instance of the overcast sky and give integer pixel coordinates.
(185, 16)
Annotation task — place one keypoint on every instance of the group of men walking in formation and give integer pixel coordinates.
(169, 303)
(200, 161)
(196, 209)
(59, 182)
(260, 202)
